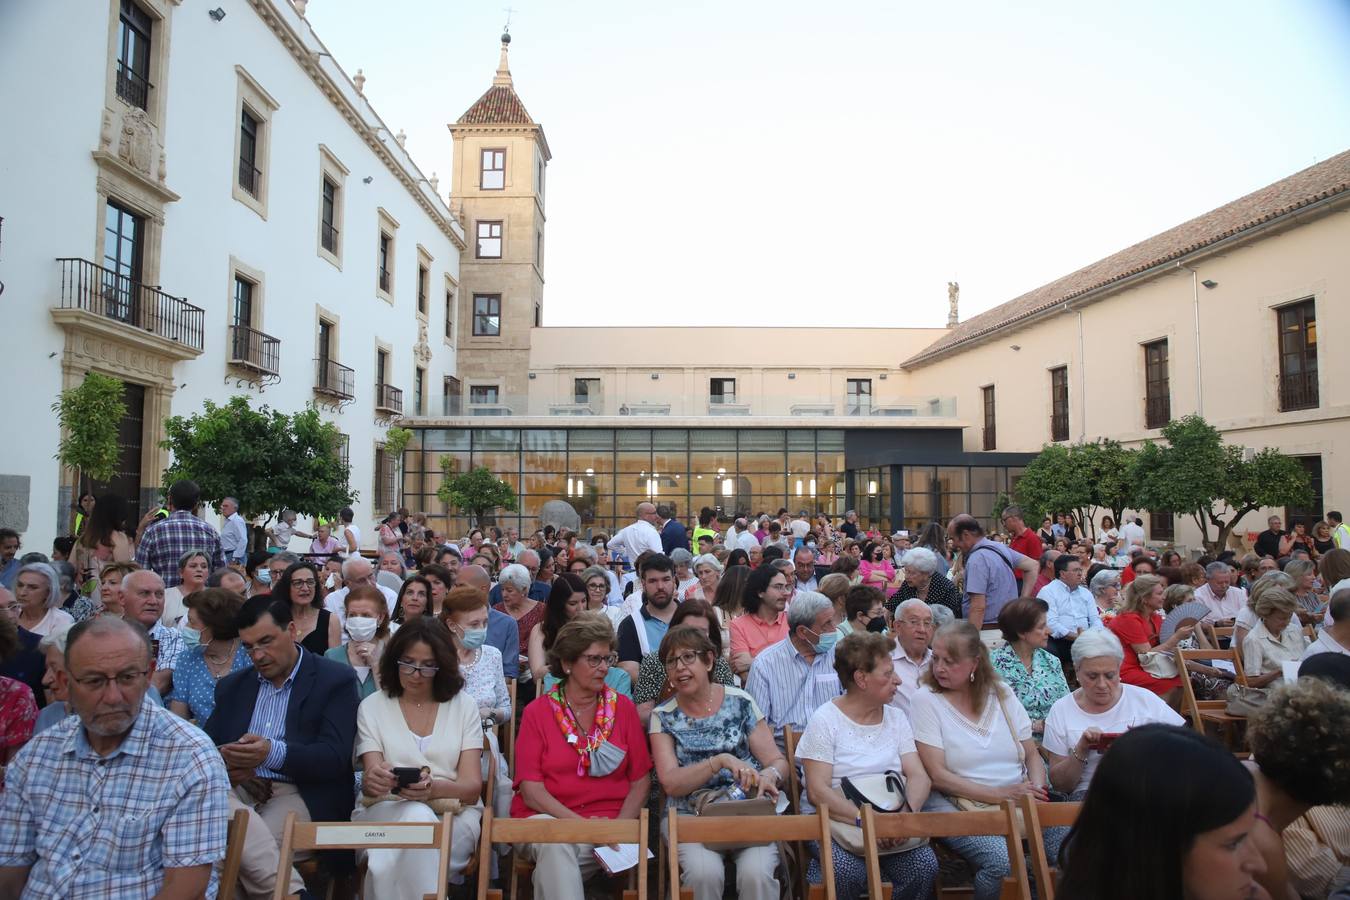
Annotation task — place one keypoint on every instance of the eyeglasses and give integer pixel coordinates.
(14, 608)
(303, 582)
(686, 659)
(97, 683)
(597, 587)
(595, 660)
(408, 668)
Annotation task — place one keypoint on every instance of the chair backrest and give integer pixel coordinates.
(364, 836)
(794, 784)
(733, 829)
(1036, 817)
(1191, 707)
(509, 732)
(1000, 822)
(561, 831)
(234, 853)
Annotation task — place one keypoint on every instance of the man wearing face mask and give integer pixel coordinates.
(791, 678)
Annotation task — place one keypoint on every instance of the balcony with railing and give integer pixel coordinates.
(333, 379)
(1298, 390)
(250, 178)
(255, 350)
(1157, 411)
(989, 438)
(132, 86)
(388, 399)
(95, 296)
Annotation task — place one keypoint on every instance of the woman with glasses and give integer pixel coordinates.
(597, 583)
(421, 718)
(652, 685)
(709, 735)
(316, 629)
(580, 754)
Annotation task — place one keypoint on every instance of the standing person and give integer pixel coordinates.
(1131, 535)
(1340, 532)
(849, 527)
(349, 533)
(1024, 540)
(633, 540)
(164, 542)
(9, 563)
(391, 539)
(82, 512)
(989, 567)
(706, 520)
(124, 799)
(233, 532)
(642, 631)
(1322, 540)
(674, 536)
(279, 534)
(104, 539)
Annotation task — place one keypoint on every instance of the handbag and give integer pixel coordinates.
(1243, 700)
(884, 792)
(968, 804)
(1158, 664)
(716, 802)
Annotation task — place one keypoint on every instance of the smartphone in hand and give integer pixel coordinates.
(405, 776)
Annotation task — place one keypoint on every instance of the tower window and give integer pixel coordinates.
(493, 175)
(487, 315)
(489, 240)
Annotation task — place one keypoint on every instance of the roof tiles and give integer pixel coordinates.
(499, 106)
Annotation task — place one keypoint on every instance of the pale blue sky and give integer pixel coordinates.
(837, 163)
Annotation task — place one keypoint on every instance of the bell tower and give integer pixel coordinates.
(498, 190)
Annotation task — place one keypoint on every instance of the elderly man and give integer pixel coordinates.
(124, 799)
(356, 572)
(804, 568)
(233, 532)
(1271, 542)
(513, 544)
(1221, 597)
(641, 632)
(1072, 608)
(502, 630)
(913, 628)
(143, 603)
(793, 677)
(451, 559)
(633, 540)
(165, 542)
(285, 726)
(849, 528)
(989, 581)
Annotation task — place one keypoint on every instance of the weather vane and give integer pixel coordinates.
(509, 12)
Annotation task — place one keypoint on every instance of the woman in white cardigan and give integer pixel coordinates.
(422, 719)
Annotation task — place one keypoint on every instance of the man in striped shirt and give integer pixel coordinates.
(791, 678)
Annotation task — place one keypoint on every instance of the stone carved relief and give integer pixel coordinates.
(105, 134)
(422, 350)
(136, 146)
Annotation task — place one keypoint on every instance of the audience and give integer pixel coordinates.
(211, 650)
(38, 591)
(514, 586)
(1072, 608)
(194, 567)
(1335, 638)
(143, 602)
(864, 610)
(1277, 638)
(1148, 659)
(641, 632)
(653, 684)
(925, 580)
(762, 624)
(792, 678)
(316, 627)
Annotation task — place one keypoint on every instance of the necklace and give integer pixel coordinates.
(216, 662)
(707, 705)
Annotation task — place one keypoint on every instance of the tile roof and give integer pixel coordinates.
(499, 106)
(1318, 182)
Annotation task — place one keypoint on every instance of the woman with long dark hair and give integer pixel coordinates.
(316, 628)
(566, 598)
(104, 538)
(1174, 831)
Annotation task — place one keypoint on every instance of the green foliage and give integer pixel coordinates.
(1079, 479)
(396, 441)
(477, 491)
(1001, 502)
(89, 416)
(1198, 475)
(267, 459)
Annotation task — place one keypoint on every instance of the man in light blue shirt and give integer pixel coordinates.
(1072, 608)
(233, 532)
(789, 680)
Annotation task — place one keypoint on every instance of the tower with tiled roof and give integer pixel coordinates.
(498, 192)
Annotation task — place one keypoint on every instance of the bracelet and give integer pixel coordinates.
(1081, 759)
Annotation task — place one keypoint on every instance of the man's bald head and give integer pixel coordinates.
(474, 577)
(647, 512)
(958, 519)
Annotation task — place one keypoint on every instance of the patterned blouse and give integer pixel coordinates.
(18, 714)
(940, 591)
(1036, 690)
(726, 731)
(194, 685)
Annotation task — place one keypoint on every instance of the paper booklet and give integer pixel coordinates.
(620, 860)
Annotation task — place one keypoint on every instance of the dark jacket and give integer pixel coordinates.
(320, 733)
(674, 535)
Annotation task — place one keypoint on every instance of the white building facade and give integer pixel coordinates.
(206, 206)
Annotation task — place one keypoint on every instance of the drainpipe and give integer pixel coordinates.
(1195, 300)
(1082, 375)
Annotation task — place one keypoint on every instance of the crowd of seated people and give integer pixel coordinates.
(976, 667)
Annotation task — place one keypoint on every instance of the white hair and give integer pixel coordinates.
(707, 559)
(517, 576)
(921, 558)
(806, 606)
(911, 603)
(350, 563)
(584, 551)
(1094, 643)
(53, 581)
(1104, 579)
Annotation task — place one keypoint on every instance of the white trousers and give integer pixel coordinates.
(400, 874)
(704, 870)
(560, 870)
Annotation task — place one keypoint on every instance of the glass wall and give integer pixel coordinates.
(605, 473)
(940, 492)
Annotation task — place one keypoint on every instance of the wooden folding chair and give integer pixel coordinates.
(794, 789)
(560, 831)
(1213, 712)
(1036, 817)
(365, 836)
(489, 788)
(506, 732)
(997, 822)
(728, 829)
(234, 854)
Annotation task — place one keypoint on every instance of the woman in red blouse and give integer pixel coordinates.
(1137, 626)
(581, 754)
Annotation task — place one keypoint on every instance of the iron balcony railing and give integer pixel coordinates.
(132, 87)
(990, 438)
(334, 379)
(1157, 411)
(250, 177)
(1059, 427)
(389, 398)
(329, 237)
(253, 349)
(1298, 391)
(88, 286)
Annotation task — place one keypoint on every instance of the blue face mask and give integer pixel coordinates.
(192, 637)
(473, 638)
(825, 642)
(264, 575)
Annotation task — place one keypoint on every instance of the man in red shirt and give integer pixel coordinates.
(1024, 540)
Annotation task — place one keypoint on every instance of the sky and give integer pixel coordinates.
(836, 164)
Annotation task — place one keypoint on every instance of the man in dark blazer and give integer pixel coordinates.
(286, 726)
(673, 532)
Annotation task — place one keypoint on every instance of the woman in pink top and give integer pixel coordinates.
(877, 571)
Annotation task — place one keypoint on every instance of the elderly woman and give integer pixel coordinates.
(598, 588)
(316, 629)
(366, 623)
(765, 598)
(1277, 638)
(38, 591)
(1082, 725)
(580, 754)
(1105, 590)
(279, 534)
(708, 571)
(1137, 626)
(1033, 672)
(393, 564)
(323, 543)
(1208, 682)
(923, 580)
(975, 742)
(391, 537)
(864, 610)
(1310, 606)
(653, 686)
(211, 650)
(515, 584)
(194, 567)
(709, 736)
(859, 734)
(414, 599)
(421, 718)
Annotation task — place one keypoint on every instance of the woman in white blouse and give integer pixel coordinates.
(858, 734)
(38, 591)
(1277, 638)
(421, 718)
(1081, 725)
(975, 742)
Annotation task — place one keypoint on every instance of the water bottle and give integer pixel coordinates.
(734, 792)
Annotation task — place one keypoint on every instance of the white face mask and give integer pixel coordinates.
(361, 628)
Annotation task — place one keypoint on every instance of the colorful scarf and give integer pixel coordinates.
(585, 744)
